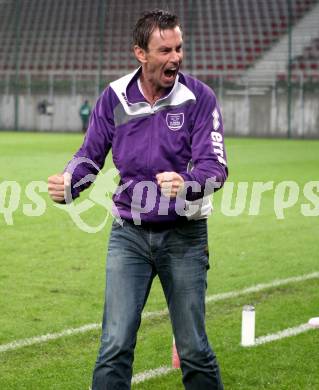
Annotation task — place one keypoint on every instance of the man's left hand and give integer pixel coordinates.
(171, 183)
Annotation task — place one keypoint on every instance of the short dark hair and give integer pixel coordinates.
(148, 22)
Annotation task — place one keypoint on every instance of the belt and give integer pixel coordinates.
(159, 226)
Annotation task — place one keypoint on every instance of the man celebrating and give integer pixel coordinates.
(165, 130)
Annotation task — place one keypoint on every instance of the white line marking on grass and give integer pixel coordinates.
(46, 337)
(154, 314)
(150, 374)
(289, 332)
(261, 286)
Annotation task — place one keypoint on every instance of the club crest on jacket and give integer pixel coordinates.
(175, 121)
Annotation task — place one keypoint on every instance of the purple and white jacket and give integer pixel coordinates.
(182, 132)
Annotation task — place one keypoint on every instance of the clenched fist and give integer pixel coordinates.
(57, 186)
(171, 183)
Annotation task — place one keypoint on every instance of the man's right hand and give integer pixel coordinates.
(57, 185)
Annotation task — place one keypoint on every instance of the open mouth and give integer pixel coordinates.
(170, 73)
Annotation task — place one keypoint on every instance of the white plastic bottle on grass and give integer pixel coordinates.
(248, 326)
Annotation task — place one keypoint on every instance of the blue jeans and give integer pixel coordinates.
(179, 256)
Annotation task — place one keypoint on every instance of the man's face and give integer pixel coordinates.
(163, 57)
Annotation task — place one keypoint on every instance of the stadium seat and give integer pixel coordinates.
(226, 35)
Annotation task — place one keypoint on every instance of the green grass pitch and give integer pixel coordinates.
(52, 275)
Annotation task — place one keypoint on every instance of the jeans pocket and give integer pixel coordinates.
(117, 225)
(193, 230)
